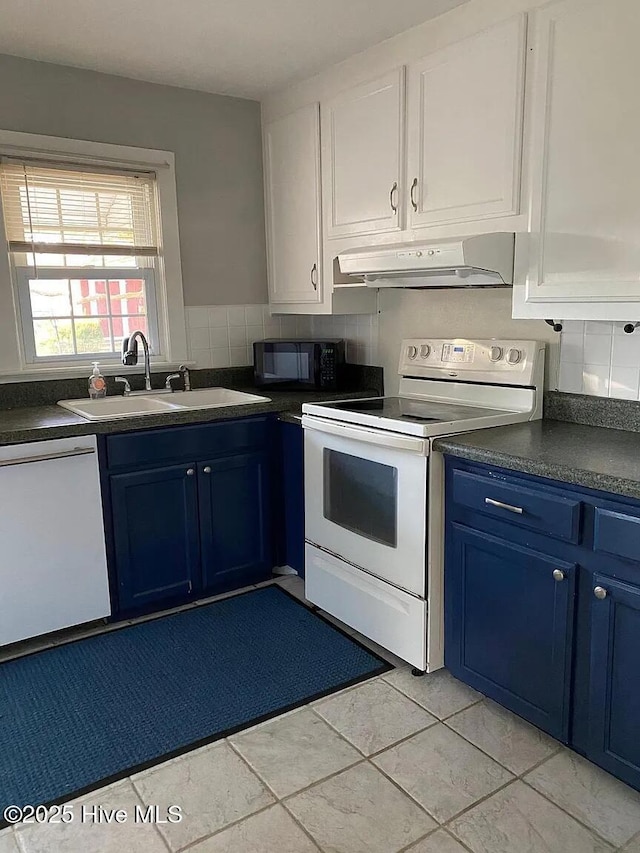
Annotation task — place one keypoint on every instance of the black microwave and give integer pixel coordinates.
(303, 365)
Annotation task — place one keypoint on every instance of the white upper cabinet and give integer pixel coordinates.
(362, 151)
(292, 184)
(583, 259)
(464, 107)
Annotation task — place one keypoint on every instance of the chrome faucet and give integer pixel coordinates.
(130, 354)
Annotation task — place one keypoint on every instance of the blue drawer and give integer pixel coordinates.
(186, 443)
(617, 533)
(532, 508)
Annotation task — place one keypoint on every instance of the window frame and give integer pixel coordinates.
(14, 350)
(23, 275)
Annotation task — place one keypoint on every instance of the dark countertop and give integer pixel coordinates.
(37, 423)
(595, 457)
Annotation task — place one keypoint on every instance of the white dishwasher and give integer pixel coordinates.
(53, 568)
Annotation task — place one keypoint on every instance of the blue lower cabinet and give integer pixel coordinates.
(187, 512)
(614, 699)
(235, 521)
(509, 625)
(156, 540)
(292, 455)
(545, 618)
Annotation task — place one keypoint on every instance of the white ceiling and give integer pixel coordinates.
(235, 47)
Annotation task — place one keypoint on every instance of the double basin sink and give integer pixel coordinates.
(136, 405)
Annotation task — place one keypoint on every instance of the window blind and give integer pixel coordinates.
(59, 209)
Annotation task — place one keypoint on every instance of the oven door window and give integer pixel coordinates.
(361, 496)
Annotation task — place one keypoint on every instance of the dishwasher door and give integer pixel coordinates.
(53, 568)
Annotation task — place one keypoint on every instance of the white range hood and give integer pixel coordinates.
(482, 260)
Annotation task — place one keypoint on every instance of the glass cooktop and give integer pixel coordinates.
(408, 409)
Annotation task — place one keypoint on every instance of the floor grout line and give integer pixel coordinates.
(233, 823)
(572, 816)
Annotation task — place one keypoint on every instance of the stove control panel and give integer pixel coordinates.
(502, 361)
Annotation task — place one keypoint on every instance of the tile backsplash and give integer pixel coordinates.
(223, 335)
(599, 358)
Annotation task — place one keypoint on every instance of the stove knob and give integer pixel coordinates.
(514, 356)
(425, 349)
(412, 351)
(495, 353)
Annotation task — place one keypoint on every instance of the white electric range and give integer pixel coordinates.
(374, 487)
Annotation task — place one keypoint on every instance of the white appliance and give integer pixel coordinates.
(482, 260)
(53, 571)
(374, 487)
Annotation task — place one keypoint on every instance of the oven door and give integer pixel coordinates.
(366, 499)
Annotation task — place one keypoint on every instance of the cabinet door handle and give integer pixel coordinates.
(207, 469)
(558, 575)
(600, 592)
(414, 203)
(314, 276)
(491, 502)
(190, 472)
(394, 189)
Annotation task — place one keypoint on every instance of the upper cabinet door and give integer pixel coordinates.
(292, 185)
(362, 145)
(584, 149)
(465, 128)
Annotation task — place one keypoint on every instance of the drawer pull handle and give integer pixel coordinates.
(600, 592)
(558, 575)
(491, 502)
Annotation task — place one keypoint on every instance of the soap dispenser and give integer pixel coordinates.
(97, 384)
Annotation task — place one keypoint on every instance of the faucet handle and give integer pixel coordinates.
(127, 387)
(184, 371)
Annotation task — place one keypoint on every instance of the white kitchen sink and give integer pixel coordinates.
(208, 398)
(118, 407)
(138, 405)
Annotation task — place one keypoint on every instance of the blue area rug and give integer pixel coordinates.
(82, 715)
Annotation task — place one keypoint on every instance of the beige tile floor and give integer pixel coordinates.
(422, 765)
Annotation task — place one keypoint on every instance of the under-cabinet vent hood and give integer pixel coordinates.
(483, 260)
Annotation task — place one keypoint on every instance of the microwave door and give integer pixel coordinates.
(284, 364)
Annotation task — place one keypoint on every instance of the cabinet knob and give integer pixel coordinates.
(600, 592)
(190, 472)
(207, 469)
(558, 575)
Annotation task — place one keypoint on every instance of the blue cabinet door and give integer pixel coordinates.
(614, 698)
(509, 625)
(155, 536)
(292, 454)
(235, 521)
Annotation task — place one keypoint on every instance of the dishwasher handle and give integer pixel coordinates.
(47, 457)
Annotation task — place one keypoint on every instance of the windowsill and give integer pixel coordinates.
(79, 371)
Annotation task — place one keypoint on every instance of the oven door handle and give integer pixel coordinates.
(381, 438)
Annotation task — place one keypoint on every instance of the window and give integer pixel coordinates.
(84, 245)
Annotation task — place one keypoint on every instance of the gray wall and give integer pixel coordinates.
(218, 148)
